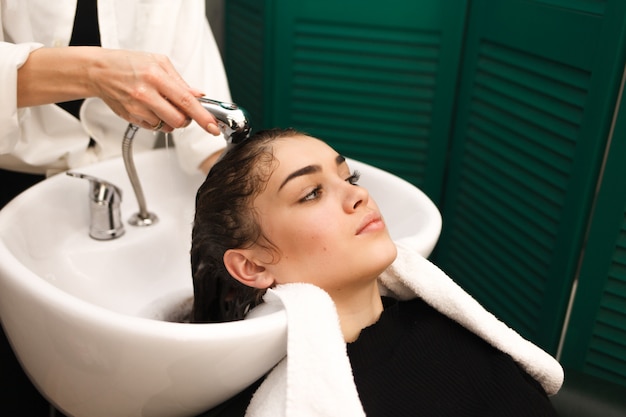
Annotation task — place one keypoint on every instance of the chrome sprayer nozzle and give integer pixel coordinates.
(231, 119)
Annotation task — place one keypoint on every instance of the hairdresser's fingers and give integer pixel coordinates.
(157, 125)
(159, 113)
(183, 102)
(161, 126)
(158, 116)
(184, 99)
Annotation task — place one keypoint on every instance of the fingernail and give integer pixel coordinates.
(187, 122)
(197, 93)
(213, 129)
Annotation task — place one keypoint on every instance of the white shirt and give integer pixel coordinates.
(46, 138)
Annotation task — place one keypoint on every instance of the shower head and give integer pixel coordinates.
(231, 119)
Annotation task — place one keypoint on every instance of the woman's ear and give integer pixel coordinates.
(242, 266)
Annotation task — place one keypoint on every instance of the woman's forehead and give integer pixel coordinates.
(295, 153)
(301, 149)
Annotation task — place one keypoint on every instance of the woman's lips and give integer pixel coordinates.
(371, 222)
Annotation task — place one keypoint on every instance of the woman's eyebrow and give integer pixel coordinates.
(309, 169)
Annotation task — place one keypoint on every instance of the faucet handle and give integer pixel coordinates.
(104, 205)
(101, 191)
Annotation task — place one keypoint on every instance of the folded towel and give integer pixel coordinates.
(315, 379)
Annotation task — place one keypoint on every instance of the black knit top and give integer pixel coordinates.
(415, 361)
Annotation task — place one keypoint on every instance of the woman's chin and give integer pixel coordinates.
(382, 256)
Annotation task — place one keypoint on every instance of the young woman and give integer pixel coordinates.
(282, 208)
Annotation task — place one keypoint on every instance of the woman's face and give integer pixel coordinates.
(327, 230)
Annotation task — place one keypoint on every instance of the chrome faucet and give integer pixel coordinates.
(104, 208)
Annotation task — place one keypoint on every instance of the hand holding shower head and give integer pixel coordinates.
(231, 119)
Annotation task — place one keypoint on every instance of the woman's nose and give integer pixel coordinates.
(355, 197)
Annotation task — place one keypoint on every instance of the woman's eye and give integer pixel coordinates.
(354, 178)
(313, 195)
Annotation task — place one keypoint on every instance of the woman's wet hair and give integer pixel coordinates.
(225, 220)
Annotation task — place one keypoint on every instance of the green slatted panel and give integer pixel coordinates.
(596, 336)
(518, 160)
(533, 113)
(245, 56)
(607, 349)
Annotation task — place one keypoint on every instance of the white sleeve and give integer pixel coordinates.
(12, 57)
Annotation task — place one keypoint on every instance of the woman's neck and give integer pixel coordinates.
(361, 309)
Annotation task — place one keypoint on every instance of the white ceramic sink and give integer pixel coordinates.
(87, 318)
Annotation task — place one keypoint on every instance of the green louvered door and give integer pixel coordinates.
(536, 97)
(596, 335)
(377, 83)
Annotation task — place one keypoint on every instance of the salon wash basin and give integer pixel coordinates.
(88, 319)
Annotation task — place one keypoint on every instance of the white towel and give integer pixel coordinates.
(315, 378)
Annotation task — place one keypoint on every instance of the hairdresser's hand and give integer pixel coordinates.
(142, 88)
(145, 89)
